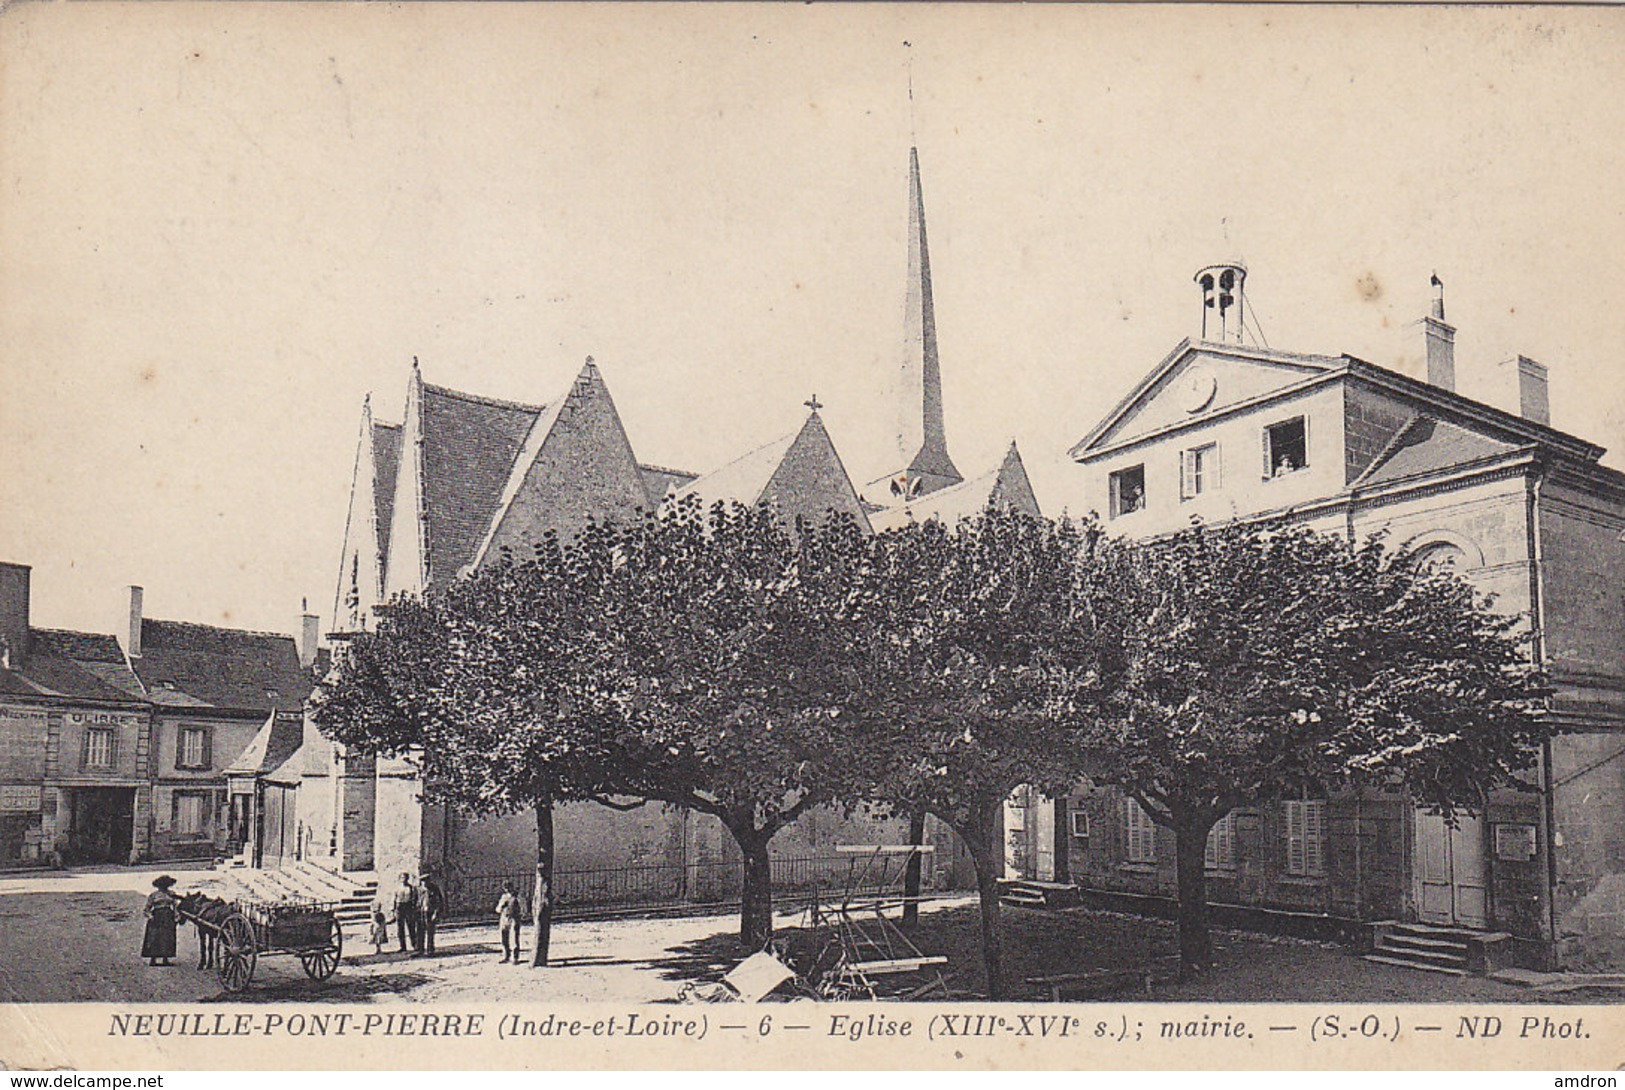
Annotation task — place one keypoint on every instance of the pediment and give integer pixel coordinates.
(1198, 379)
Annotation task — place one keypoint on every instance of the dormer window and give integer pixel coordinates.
(1128, 491)
(1286, 447)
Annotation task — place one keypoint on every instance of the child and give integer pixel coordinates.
(380, 926)
(508, 914)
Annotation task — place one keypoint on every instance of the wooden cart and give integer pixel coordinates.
(308, 930)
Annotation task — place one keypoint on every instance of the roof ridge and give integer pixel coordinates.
(786, 439)
(218, 628)
(667, 469)
(482, 399)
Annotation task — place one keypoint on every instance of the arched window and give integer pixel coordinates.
(1441, 557)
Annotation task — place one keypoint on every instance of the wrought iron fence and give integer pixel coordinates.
(651, 885)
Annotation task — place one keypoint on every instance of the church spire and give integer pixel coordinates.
(922, 438)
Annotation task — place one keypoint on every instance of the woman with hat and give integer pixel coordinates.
(158, 944)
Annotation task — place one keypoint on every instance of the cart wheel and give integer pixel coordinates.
(320, 963)
(238, 953)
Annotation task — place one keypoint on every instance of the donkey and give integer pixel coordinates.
(207, 914)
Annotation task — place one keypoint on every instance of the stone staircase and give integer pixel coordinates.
(1423, 946)
(297, 880)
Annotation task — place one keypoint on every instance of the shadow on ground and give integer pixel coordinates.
(336, 989)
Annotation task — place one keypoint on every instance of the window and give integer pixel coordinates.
(1306, 838)
(1220, 853)
(100, 745)
(1142, 833)
(1080, 824)
(191, 814)
(192, 748)
(1128, 491)
(1440, 558)
(1286, 447)
(1198, 471)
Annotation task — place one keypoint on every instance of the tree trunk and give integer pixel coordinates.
(989, 864)
(756, 897)
(911, 876)
(542, 894)
(1195, 945)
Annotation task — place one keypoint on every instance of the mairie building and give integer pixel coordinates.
(1221, 430)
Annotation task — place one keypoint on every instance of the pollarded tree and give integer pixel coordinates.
(1251, 663)
(496, 684)
(977, 656)
(729, 627)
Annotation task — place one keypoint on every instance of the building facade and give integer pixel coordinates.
(1220, 430)
(75, 742)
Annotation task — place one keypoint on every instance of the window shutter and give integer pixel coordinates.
(112, 748)
(1187, 474)
(180, 747)
(84, 748)
(1210, 850)
(1220, 850)
(208, 748)
(1295, 847)
(1314, 836)
(1268, 469)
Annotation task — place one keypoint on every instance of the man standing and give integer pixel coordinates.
(434, 903)
(408, 928)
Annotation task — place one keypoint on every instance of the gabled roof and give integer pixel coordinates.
(82, 665)
(741, 480)
(1305, 365)
(659, 480)
(1006, 487)
(275, 742)
(185, 665)
(800, 475)
(469, 447)
(386, 462)
(1427, 445)
(575, 464)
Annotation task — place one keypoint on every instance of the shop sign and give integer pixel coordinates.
(1515, 843)
(19, 798)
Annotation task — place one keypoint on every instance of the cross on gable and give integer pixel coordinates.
(813, 403)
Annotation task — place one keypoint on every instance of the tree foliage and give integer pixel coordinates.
(1255, 662)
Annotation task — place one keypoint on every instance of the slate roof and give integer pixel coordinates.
(741, 480)
(1006, 486)
(469, 447)
(278, 740)
(1427, 445)
(83, 665)
(658, 480)
(187, 665)
(386, 462)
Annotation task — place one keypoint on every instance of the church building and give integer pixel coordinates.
(464, 479)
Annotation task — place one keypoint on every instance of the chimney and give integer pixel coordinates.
(309, 634)
(132, 645)
(1441, 342)
(13, 614)
(1529, 379)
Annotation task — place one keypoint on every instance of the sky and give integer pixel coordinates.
(223, 225)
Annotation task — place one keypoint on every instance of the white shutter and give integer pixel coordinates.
(1187, 474)
(1269, 470)
(1142, 833)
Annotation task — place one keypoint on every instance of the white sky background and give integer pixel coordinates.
(222, 225)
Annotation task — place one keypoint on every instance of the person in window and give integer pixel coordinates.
(158, 941)
(1284, 465)
(1133, 497)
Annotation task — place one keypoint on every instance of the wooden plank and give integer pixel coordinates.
(895, 965)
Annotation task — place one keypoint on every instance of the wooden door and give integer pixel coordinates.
(1451, 889)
